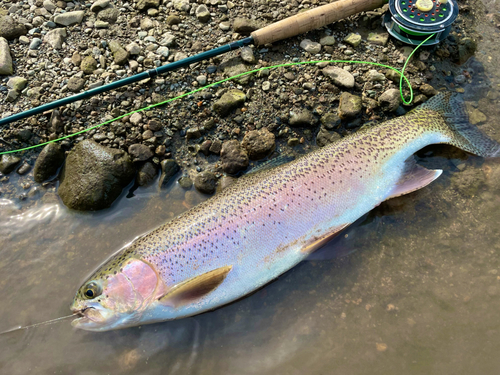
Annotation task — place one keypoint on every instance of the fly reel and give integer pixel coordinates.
(413, 21)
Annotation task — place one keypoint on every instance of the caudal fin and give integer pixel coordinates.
(464, 135)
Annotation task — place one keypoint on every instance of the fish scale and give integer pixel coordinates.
(268, 221)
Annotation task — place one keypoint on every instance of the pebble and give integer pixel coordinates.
(17, 83)
(259, 143)
(376, 76)
(185, 182)
(310, 46)
(205, 182)
(350, 106)
(353, 39)
(49, 5)
(390, 100)
(182, 5)
(234, 158)
(202, 13)
(245, 25)
(35, 43)
(69, 18)
(327, 40)
(169, 169)
(6, 67)
(99, 5)
(163, 51)
(202, 80)
(380, 39)
(133, 48)
(8, 163)
(55, 38)
(229, 101)
(135, 118)
(140, 152)
(23, 169)
(304, 118)
(247, 55)
(339, 77)
(146, 174)
(225, 26)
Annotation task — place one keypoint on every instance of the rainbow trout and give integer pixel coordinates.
(268, 221)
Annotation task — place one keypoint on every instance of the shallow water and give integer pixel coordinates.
(420, 295)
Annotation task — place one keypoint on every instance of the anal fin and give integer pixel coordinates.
(414, 177)
(194, 288)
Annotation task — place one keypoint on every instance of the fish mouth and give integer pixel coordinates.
(81, 317)
(93, 318)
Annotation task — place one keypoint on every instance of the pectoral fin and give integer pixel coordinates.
(413, 178)
(195, 287)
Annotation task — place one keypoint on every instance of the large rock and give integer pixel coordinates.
(350, 106)
(6, 67)
(94, 176)
(339, 77)
(259, 143)
(229, 101)
(234, 158)
(70, 18)
(11, 29)
(48, 162)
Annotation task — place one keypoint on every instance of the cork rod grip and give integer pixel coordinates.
(313, 19)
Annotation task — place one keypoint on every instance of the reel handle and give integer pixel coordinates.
(312, 19)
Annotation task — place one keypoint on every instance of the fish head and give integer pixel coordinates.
(116, 295)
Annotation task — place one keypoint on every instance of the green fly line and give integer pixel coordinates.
(401, 73)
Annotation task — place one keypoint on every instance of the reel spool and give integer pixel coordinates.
(412, 21)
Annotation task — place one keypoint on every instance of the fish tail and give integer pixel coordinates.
(463, 134)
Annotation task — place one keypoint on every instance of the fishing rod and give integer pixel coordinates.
(287, 28)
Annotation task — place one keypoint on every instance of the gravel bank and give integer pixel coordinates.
(50, 50)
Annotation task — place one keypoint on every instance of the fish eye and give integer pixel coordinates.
(92, 290)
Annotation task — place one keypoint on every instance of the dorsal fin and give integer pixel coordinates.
(414, 177)
(195, 288)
